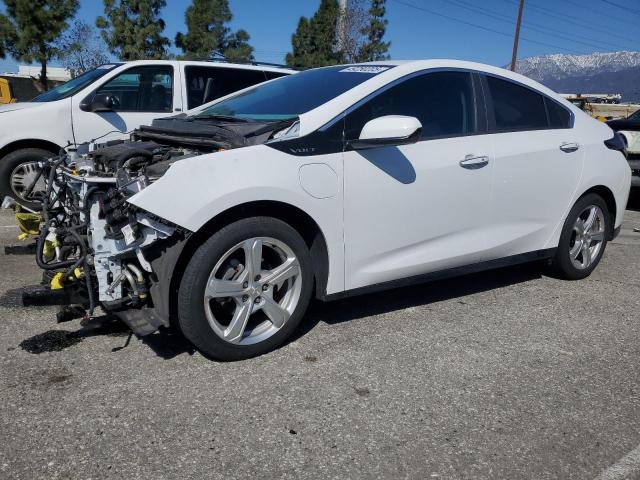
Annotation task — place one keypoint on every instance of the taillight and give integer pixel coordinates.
(617, 143)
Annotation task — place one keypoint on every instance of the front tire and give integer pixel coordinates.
(17, 171)
(246, 289)
(583, 239)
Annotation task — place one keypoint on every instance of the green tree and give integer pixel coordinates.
(132, 29)
(207, 34)
(7, 35)
(313, 43)
(237, 48)
(30, 29)
(375, 48)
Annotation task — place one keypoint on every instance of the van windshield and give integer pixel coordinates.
(75, 84)
(287, 97)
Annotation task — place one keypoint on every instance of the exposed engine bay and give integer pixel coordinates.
(99, 249)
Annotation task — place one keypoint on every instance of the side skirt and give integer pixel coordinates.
(443, 274)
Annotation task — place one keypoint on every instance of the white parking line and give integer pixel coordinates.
(625, 468)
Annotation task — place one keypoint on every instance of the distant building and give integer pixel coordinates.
(22, 84)
(57, 74)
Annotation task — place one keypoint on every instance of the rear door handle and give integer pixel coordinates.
(569, 147)
(472, 162)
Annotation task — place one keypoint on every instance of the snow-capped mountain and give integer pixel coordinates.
(557, 66)
(615, 72)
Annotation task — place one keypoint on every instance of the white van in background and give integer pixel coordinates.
(108, 103)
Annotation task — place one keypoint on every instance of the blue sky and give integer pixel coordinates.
(463, 29)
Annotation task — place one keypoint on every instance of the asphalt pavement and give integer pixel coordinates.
(505, 374)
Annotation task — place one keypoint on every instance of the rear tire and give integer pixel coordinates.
(583, 239)
(16, 170)
(246, 289)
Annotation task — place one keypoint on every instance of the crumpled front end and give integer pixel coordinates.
(93, 242)
(99, 250)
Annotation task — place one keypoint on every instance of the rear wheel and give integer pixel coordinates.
(246, 289)
(18, 170)
(583, 239)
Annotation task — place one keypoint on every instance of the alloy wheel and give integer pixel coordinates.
(21, 179)
(587, 237)
(253, 290)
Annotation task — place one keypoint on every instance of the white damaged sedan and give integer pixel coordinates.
(332, 182)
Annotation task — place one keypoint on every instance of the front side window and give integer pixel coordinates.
(205, 84)
(76, 84)
(141, 89)
(442, 101)
(516, 107)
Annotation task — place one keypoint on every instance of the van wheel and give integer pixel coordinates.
(246, 289)
(17, 171)
(583, 239)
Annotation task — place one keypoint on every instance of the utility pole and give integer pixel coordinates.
(342, 24)
(516, 38)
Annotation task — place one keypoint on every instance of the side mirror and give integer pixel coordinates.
(99, 103)
(390, 130)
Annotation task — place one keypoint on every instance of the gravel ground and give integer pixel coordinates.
(505, 374)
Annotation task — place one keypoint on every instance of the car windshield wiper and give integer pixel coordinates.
(226, 118)
(273, 126)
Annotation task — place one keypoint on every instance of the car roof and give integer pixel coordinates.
(209, 63)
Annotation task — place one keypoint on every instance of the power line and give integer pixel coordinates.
(624, 7)
(599, 12)
(536, 27)
(481, 27)
(579, 23)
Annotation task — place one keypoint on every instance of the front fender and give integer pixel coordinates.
(195, 190)
(47, 122)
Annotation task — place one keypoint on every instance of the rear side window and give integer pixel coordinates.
(205, 84)
(559, 117)
(515, 107)
(442, 101)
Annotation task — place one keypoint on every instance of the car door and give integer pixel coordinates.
(418, 208)
(140, 94)
(537, 165)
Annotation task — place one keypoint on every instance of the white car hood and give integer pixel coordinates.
(10, 107)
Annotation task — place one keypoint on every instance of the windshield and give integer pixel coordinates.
(75, 84)
(635, 115)
(287, 97)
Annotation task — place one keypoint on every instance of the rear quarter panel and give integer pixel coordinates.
(602, 167)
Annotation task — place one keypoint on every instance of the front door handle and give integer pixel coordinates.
(473, 162)
(569, 147)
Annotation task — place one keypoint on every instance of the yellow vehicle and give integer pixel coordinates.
(583, 104)
(5, 92)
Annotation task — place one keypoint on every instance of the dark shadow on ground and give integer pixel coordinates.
(169, 343)
(166, 343)
(422, 294)
(634, 199)
(58, 340)
(12, 297)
